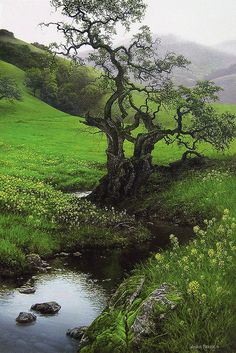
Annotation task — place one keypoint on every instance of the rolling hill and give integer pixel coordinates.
(204, 59)
(40, 142)
(227, 47)
(8, 37)
(206, 63)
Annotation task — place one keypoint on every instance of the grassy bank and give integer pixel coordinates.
(37, 218)
(187, 193)
(201, 278)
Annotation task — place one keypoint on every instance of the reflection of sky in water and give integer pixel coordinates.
(80, 298)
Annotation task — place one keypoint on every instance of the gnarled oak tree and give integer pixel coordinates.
(140, 85)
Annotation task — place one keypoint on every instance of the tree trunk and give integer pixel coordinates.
(125, 177)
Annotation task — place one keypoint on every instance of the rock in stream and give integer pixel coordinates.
(26, 318)
(46, 308)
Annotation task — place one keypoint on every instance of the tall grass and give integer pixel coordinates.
(201, 277)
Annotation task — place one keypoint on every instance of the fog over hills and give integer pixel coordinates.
(204, 59)
(207, 62)
(217, 63)
(227, 47)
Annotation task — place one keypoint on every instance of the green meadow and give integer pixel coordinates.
(38, 141)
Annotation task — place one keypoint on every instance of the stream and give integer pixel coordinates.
(81, 285)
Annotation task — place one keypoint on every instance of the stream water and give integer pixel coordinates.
(81, 285)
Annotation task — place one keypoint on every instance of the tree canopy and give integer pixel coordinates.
(140, 83)
(9, 89)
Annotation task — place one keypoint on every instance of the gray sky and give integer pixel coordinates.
(204, 21)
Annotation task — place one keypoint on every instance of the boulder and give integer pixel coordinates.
(36, 263)
(26, 318)
(144, 324)
(46, 308)
(27, 290)
(77, 333)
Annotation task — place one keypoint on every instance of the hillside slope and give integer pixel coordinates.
(41, 142)
(8, 37)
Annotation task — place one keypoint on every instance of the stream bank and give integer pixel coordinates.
(81, 285)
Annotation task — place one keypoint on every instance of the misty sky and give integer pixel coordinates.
(204, 21)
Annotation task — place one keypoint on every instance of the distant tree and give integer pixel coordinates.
(41, 46)
(34, 79)
(9, 89)
(78, 90)
(42, 82)
(68, 87)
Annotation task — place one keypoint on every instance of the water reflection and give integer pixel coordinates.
(81, 285)
(81, 300)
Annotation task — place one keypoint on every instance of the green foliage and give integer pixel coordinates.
(68, 87)
(43, 82)
(195, 114)
(9, 89)
(41, 202)
(23, 55)
(26, 237)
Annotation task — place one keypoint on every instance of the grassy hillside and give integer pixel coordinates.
(39, 141)
(42, 142)
(8, 37)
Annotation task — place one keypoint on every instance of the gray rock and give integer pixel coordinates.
(36, 263)
(77, 333)
(77, 254)
(46, 308)
(45, 263)
(26, 318)
(63, 254)
(34, 260)
(144, 324)
(27, 290)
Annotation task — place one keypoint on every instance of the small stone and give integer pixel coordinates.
(77, 333)
(26, 318)
(42, 269)
(77, 253)
(46, 308)
(45, 263)
(27, 290)
(64, 254)
(34, 260)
